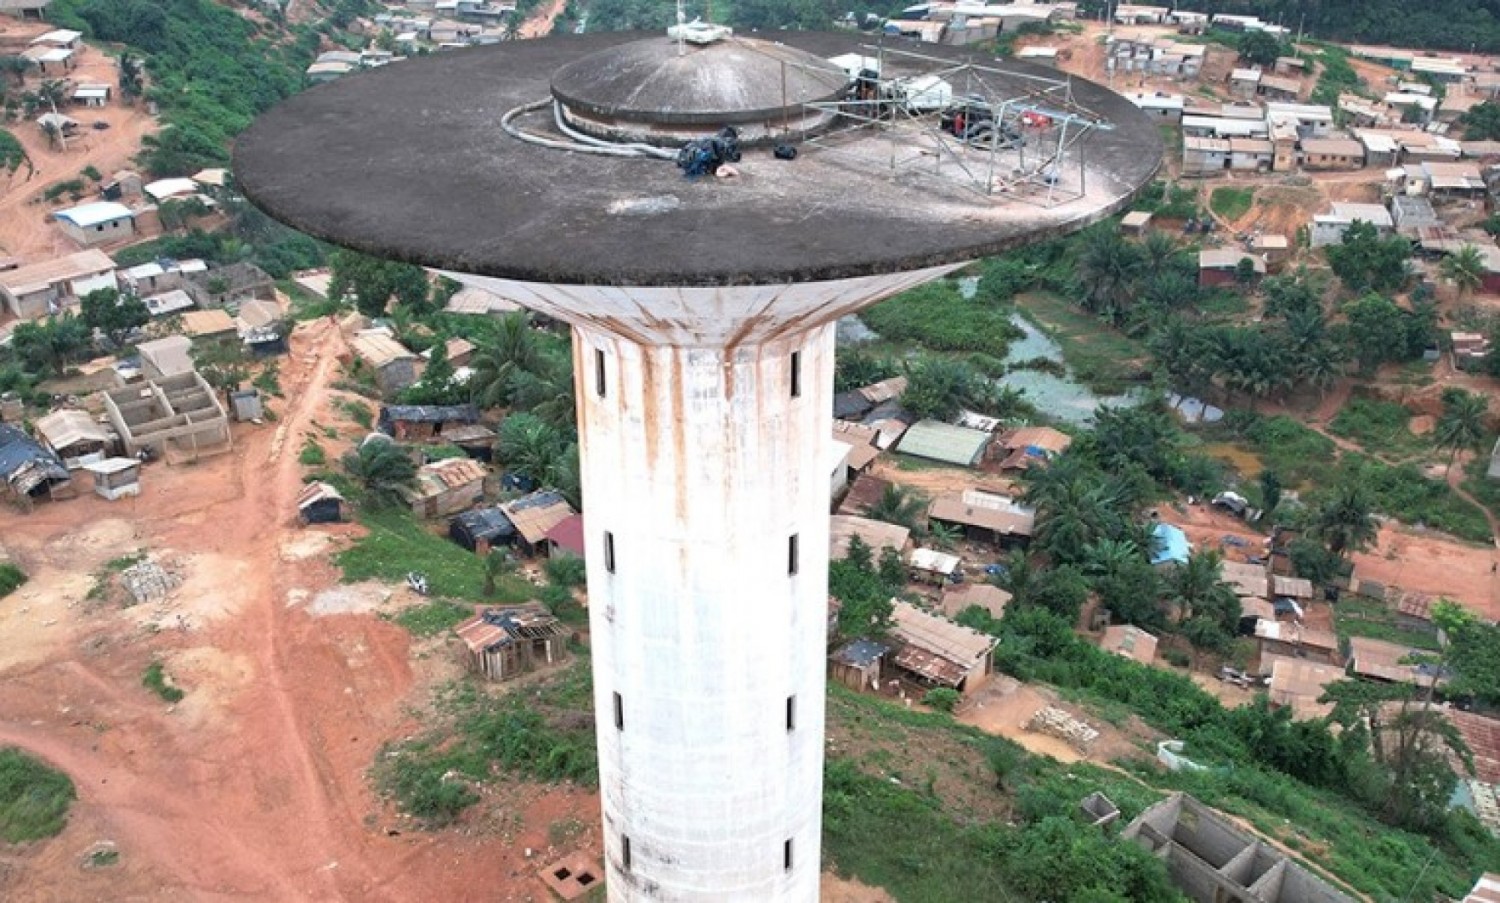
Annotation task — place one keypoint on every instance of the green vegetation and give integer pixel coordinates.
(154, 678)
(1231, 203)
(1104, 359)
(397, 544)
(11, 578)
(312, 454)
(936, 316)
(1336, 76)
(357, 411)
(1180, 202)
(1381, 427)
(545, 734)
(12, 154)
(1354, 616)
(434, 617)
(34, 798)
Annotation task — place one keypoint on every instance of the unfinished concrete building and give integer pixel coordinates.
(1213, 861)
(176, 417)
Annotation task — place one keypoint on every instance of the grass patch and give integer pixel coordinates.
(1223, 303)
(1231, 203)
(1104, 359)
(398, 544)
(1381, 427)
(113, 566)
(545, 734)
(1477, 482)
(357, 411)
(34, 798)
(1368, 618)
(306, 305)
(154, 678)
(268, 380)
(936, 316)
(103, 858)
(312, 454)
(11, 578)
(433, 618)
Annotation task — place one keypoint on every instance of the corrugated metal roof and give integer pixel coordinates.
(535, 514)
(961, 647)
(377, 348)
(985, 510)
(933, 561)
(60, 429)
(317, 492)
(34, 276)
(876, 534)
(944, 442)
(456, 471)
(1129, 641)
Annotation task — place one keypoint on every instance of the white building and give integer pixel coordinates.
(1329, 228)
(97, 223)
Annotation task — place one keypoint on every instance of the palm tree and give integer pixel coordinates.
(944, 536)
(383, 469)
(1109, 557)
(512, 347)
(1159, 251)
(547, 391)
(1461, 425)
(898, 505)
(1194, 584)
(1345, 521)
(1465, 268)
(54, 133)
(531, 446)
(1108, 268)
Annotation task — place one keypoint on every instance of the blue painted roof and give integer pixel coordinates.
(1171, 544)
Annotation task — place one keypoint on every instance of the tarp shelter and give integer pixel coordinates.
(28, 469)
(483, 525)
(944, 442)
(1169, 545)
(320, 503)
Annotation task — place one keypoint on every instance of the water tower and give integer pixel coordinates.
(703, 314)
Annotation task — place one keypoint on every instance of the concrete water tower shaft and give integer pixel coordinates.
(703, 319)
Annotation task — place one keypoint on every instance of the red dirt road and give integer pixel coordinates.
(254, 787)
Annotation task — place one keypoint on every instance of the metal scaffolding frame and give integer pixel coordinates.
(1046, 167)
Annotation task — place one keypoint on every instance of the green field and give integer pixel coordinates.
(398, 544)
(1231, 203)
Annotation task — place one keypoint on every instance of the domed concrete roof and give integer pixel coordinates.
(728, 81)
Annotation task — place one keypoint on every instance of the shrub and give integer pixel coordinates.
(944, 699)
(11, 577)
(34, 798)
(155, 680)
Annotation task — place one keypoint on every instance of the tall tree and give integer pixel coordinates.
(112, 314)
(1464, 268)
(383, 470)
(509, 349)
(1345, 520)
(1108, 270)
(1461, 426)
(1365, 261)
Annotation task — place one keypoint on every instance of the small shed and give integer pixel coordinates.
(115, 478)
(30, 470)
(482, 529)
(394, 366)
(1221, 266)
(856, 664)
(1135, 222)
(503, 643)
(246, 405)
(320, 503)
(75, 436)
(447, 486)
(425, 423)
(1291, 587)
(932, 566)
(944, 442)
(97, 222)
(1029, 445)
(1294, 641)
(534, 515)
(1390, 663)
(1129, 641)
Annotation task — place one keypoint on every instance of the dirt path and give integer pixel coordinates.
(540, 23)
(255, 786)
(1455, 477)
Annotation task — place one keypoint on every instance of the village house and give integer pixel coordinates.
(157, 276)
(502, 643)
(985, 517)
(178, 417)
(876, 534)
(1295, 641)
(1251, 154)
(864, 493)
(75, 437)
(857, 664)
(207, 327)
(1135, 222)
(1390, 663)
(1127, 14)
(458, 349)
(1328, 228)
(395, 367)
(944, 442)
(39, 289)
(1221, 266)
(115, 478)
(92, 95)
(1204, 156)
(1470, 349)
(1129, 641)
(1332, 153)
(29, 470)
(478, 302)
(167, 303)
(533, 516)
(1298, 684)
(96, 223)
(482, 529)
(1214, 860)
(1290, 65)
(423, 423)
(937, 652)
(26, 10)
(1244, 82)
(50, 61)
(447, 486)
(1274, 249)
(168, 356)
(1166, 107)
(566, 537)
(230, 285)
(1312, 120)
(173, 189)
(1411, 213)
(260, 328)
